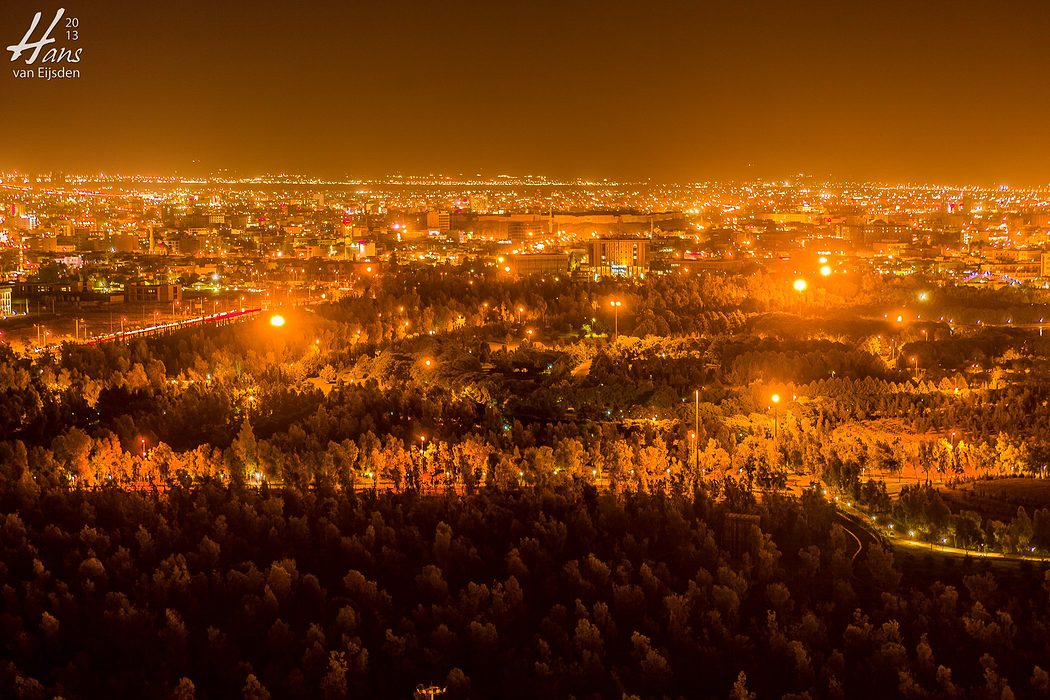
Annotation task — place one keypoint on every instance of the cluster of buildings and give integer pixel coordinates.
(111, 240)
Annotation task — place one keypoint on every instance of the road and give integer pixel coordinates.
(859, 532)
(218, 319)
(865, 534)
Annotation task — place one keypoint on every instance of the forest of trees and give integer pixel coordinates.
(216, 591)
(406, 487)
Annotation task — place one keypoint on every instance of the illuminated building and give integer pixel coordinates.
(528, 264)
(142, 292)
(439, 221)
(628, 257)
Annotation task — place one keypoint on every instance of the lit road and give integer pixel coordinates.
(161, 328)
(860, 533)
(948, 550)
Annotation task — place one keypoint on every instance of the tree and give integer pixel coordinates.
(739, 690)
(245, 452)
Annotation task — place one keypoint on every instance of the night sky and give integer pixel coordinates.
(946, 92)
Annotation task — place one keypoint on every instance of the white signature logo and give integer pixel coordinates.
(53, 55)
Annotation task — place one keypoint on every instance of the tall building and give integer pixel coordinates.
(626, 257)
(439, 221)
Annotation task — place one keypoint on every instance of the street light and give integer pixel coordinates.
(775, 398)
(277, 320)
(800, 285)
(616, 304)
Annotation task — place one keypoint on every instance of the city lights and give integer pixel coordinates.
(314, 382)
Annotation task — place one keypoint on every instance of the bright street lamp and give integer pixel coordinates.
(616, 304)
(775, 398)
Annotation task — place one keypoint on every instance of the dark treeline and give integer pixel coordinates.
(212, 592)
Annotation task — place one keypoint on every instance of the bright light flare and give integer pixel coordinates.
(800, 285)
(277, 320)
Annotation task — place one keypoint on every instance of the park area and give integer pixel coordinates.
(999, 498)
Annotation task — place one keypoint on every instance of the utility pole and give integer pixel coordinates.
(696, 432)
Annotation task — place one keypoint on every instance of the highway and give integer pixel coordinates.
(220, 319)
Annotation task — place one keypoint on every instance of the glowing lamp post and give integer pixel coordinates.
(775, 398)
(616, 304)
(800, 285)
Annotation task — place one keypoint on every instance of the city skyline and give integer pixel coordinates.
(936, 93)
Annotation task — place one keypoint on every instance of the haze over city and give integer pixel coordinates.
(941, 92)
(518, 350)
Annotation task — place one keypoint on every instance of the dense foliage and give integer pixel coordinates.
(454, 478)
(212, 592)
